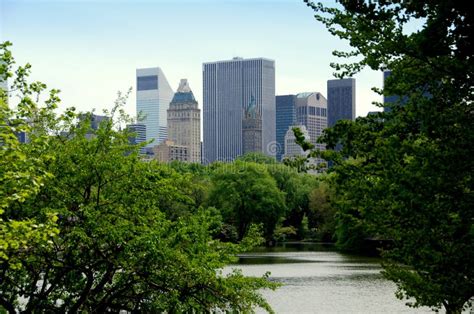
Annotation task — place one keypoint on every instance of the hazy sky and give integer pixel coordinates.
(90, 49)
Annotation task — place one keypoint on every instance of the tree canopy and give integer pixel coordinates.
(406, 175)
(246, 193)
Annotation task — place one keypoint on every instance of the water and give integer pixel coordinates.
(317, 279)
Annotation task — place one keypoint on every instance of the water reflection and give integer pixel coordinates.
(318, 279)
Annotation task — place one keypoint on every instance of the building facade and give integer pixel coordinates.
(341, 100)
(154, 95)
(251, 128)
(292, 149)
(184, 121)
(228, 87)
(285, 117)
(312, 112)
(138, 136)
(168, 151)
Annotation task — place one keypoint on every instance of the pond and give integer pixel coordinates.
(318, 279)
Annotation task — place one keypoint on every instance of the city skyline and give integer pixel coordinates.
(90, 49)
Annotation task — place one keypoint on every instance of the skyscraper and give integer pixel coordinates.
(139, 135)
(311, 111)
(228, 86)
(341, 100)
(184, 121)
(292, 149)
(285, 117)
(154, 95)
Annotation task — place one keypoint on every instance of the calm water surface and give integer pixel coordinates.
(317, 279)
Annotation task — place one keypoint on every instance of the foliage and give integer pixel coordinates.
(405, 175)
(245, 193)
(258, 158)
(130, 235)
(22, 170)
(321, 213)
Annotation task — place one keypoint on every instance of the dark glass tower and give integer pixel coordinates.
(341, 100)
(285, 117)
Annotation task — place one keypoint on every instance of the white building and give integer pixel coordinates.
(292, 149)
(312, 112)
(154, 95)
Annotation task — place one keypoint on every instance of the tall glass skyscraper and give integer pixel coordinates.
(228, 86)
(154, 95)
(285, 117)
(341, 100)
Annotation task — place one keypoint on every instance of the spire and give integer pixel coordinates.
(184, 86)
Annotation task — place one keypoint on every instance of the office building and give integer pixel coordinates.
(184, 121)
(138, 135)
(312, 112)
(285, 117)
(154, 95)
(228, 86)
(292, 149)
(341, 100)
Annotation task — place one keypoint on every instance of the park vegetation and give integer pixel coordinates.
(405, 175)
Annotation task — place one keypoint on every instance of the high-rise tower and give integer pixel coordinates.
(154, 95)
(285, 117)
(311, 111)
(341, 100)
(228, 87)
(184, 121)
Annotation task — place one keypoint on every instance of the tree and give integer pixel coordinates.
(321, 213)
(258, 158)
(118, 246)
(297, 187)
(245, 193)
(22, 174)
(405, 173)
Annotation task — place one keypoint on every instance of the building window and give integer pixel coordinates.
(147, 82)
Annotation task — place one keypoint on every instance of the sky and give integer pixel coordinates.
(90, 49)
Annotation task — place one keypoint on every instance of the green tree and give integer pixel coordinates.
(258, 158)
(245, 193)
(119, 247)
(321, 213)
(22, 173)
(407, 173)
